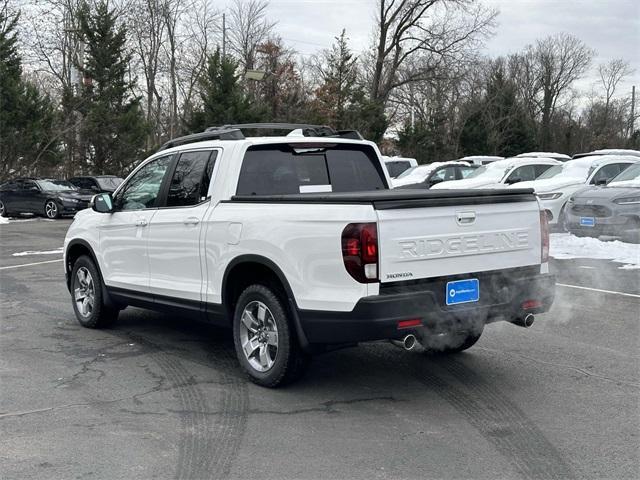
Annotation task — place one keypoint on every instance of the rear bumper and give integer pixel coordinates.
(502, 295)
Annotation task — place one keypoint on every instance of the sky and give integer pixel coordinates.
(611, 27)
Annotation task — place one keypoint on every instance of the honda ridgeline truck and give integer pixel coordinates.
(297, 243)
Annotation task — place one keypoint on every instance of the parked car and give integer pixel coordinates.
(426, 176)
(556, 185)
(299, 245)
(556, 156)
(612, 210)
(398, 165)
(502, 173)
(41, 196)
(609, 151)
(98, 183)
(480, 159)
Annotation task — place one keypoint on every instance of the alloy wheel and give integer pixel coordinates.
(259, 336)
(2, 211)
(51, 209)
(84, 292)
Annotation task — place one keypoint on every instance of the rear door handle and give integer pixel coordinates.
(191, 221)
(141, 222)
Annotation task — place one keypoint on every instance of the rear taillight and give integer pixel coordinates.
(360, 251)
(544, 236)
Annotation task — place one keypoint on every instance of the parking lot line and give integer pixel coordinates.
(29, 264)
(633, 295)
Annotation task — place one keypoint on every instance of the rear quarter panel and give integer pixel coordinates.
(304, 241)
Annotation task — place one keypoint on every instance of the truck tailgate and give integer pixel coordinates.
(431, 241)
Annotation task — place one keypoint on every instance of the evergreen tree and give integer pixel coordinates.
(113, 127)
(26, 116)
(334, 97)
(498, 124)
(223, 99)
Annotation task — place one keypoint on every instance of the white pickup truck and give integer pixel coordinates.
(297, 243)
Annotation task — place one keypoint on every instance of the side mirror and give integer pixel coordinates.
(602, 181)
(434, 181)
(102, 203)
(511, 181)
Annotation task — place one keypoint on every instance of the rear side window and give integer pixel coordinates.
(286, 169)
(191, 178)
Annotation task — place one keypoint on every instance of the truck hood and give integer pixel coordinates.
(550, 184)
(605, 193)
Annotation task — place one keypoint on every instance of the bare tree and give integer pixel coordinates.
(560, 60)
(431, 29)
(610, 75)
(249, 28)
(148, 38)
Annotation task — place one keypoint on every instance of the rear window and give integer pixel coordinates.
(289, 169)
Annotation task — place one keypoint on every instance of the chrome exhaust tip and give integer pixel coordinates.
(525, 321)
(408, 342)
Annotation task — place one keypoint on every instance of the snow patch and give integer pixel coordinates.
(57, 251)
(4, 220)
(565, 246)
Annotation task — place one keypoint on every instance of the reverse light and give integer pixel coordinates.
(627, 200)
(544, 236)
(550, 196)
(360, 251)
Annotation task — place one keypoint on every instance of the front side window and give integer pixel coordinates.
(190, 182)
(141, 191)
(445, 174)
(522, 174)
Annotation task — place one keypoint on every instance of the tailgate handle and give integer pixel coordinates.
(465, 218)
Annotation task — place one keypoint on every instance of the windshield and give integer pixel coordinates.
(492, 171)
(55, 185)
(579, 170)
(630, 174)
(109, 183)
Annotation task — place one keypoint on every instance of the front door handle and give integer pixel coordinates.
(191, 221)
(141, 222)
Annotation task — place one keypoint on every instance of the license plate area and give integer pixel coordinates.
(462, 291)
(587, 221)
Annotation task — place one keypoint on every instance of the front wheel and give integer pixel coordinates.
(265, 340)
(51, 209)
(86, 293)
(3, 210)
(452, 342)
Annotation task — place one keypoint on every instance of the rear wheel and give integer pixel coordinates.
(51, 209)
(3, 210)
(86, 294)
(266, 343)
(452, 342)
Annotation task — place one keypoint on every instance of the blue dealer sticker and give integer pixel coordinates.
(463, 291)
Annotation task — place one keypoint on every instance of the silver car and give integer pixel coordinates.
(612, 210)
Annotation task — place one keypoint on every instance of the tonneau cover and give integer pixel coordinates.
(391, 199)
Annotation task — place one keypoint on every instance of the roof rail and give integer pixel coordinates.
(234, 132)
(218, 134)
(308, 130)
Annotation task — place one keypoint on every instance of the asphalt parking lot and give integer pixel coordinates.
(160, 397)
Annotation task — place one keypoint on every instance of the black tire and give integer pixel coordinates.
(290, 361)
(3, 209)
(451, 342)
(51, 209)
(99, 315)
